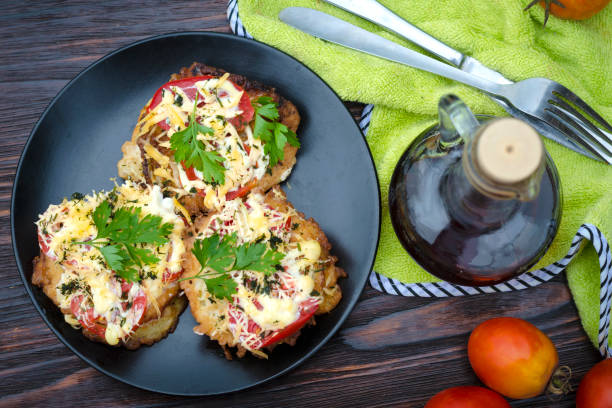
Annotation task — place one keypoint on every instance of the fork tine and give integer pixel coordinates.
(556, 122)
(563, 92)
(598, 135)
(565, 124)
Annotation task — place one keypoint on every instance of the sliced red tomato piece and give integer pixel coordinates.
(288, 224)
(87, 319)
(307, 310)
(125, 286)
(139, 306)
(242, 191)
(247, 111)
(190, 172)
(43, 244)
(187, 85)
(171, 276)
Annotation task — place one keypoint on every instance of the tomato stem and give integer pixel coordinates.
(560, 384)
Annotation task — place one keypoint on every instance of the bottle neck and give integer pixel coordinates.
(470, 206)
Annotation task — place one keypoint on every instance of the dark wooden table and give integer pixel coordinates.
(391, 350)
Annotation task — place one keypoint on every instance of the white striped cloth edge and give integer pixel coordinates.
(524, 281)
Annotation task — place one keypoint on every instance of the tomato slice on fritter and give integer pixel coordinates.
(188, 86)
(307, 309)
(87, 318)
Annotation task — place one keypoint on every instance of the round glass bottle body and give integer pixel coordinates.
(459, 234)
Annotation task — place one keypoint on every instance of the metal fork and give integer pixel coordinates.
(539, 98)
(550, 101)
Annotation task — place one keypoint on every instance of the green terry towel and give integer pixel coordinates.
(502, 36)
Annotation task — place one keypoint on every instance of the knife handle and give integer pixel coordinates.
(378, 14)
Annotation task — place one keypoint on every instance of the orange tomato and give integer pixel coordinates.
(595, 390)
(467, 397)
(512, 357)
(576, 9)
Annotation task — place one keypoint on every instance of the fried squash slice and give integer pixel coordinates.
(133, 302)
(292, 279)
(234, 115)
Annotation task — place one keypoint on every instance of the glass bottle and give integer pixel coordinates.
(475, 203)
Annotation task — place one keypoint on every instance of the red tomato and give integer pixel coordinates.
(288, 224)
(512, 357)
(171, 276)
(467, 397)
(307, 310)
(242, 191)
(595, 390)
(188, 86)
(125, 286)
(247, 112)
(189, 172)
(86, 318)
(575, 9)
(139, 306)
(43, 244)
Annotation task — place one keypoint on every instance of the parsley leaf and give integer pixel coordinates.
(192, 151)
(272, 133)
(113, 255)
(267, 108)
(223, 256)
(121, 232)
(221, 287)
(100, 215)
(214, 252)
(254, 257)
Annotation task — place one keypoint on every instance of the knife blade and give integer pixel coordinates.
(335, 30)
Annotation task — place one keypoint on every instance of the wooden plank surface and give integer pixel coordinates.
(391, 351)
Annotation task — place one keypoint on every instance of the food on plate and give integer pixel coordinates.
(595, 390)
(111, 262)
(512, 357)
(208, 136)
(467, 397)
(257, 272)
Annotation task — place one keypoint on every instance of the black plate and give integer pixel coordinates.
(75, 147)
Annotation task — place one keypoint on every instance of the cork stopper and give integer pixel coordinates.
(508, 151)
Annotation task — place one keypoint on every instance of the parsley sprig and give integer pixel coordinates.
(119, 235)
(269, 130)
(192, 152)
(223, 256)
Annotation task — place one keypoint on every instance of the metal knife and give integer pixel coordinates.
(338, 31)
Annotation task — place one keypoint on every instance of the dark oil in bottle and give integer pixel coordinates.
(429, 218)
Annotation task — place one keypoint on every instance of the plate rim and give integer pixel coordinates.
(230, 37)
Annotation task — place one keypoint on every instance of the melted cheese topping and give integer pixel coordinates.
(84, 271)
(270, 302)
(218, 102)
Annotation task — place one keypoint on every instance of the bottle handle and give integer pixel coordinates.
(457, 122)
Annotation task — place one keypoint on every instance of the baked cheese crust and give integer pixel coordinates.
(92, 297)
(148, 158)
(263, 304)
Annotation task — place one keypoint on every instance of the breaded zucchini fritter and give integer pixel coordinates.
(226, 107)
(80, 238)
(264, 309)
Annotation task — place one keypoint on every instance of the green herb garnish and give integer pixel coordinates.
(69, 287)
(119, 235)
(192, 152)
(269, 130)
(223, 255)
